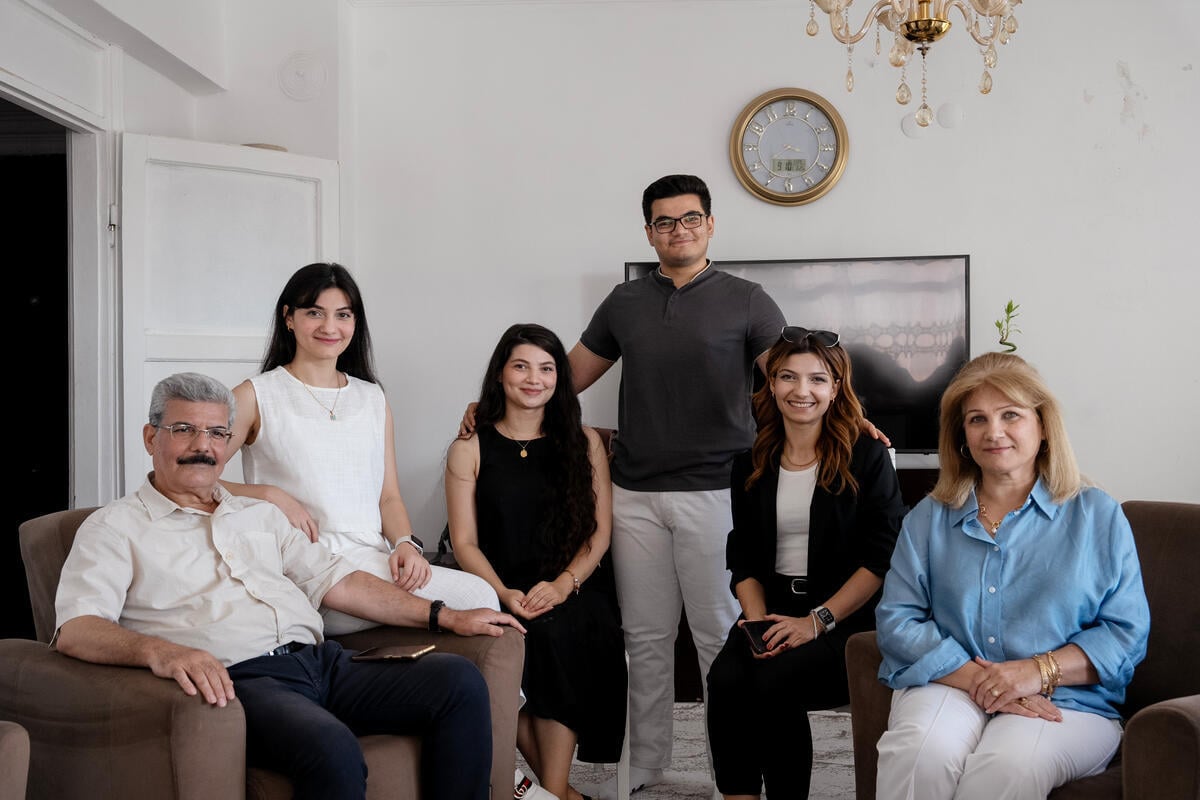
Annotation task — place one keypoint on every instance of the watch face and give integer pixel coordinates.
(789, 146)
(417, 541)
(826, 616)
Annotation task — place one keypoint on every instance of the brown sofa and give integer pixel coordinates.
(116, 732)
(14, 761)
(1160, 753)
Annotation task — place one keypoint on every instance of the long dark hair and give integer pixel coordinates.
(839, 429)
(570, 503)
(302, 291)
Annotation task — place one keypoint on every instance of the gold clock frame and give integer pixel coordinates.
(794, 198)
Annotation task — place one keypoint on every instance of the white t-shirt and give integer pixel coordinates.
(793, 506)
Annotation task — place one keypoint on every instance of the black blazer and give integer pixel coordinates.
(847, 530)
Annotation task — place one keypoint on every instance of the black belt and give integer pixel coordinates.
(284, 649)
(798, 585)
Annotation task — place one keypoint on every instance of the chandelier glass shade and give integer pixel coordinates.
(915, 25)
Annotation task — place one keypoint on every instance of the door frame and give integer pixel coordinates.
(49, 83)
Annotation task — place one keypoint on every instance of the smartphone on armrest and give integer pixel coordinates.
(395, 652)
(754, 630)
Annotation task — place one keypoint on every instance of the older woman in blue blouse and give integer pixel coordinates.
(1013, 614)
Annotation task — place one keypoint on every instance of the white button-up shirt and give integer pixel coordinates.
(237, 582)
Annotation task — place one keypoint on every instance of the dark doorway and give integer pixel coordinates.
(34, 206)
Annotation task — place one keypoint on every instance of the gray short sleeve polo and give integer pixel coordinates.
(687, 372)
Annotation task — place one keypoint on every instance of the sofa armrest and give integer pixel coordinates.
(501, 660)
(117, 732)
(870, 705)
(1161, 751)
(14, 759)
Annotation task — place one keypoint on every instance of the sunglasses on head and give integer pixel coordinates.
(796, 335)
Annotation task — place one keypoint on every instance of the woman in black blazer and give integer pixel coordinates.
(816, 511)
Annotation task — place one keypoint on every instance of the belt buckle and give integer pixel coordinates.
(799, 586)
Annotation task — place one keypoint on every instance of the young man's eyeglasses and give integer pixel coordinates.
(796, 335)
(185, 432)
(692, 219)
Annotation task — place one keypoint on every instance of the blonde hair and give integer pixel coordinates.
(1013, 377)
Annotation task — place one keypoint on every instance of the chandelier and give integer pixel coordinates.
(916, 25)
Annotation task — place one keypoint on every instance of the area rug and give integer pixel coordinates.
(688, 778)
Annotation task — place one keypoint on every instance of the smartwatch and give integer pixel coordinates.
(411, 539)
(825, 617)
(435, 608)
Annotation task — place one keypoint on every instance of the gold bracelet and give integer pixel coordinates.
(574, 580)
(1055, 672)
(1044, 671)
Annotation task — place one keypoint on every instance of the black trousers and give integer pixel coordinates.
(758, 708)
(304, 712)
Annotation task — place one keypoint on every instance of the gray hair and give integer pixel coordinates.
(193, 387)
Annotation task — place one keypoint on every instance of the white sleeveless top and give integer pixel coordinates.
(334, 467)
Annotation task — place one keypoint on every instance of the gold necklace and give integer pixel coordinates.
(987, 521)
(329, 409)
(784, 456)
(523, 445)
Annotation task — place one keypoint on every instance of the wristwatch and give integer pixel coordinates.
(411, 539)
(435, 608)
(825, 617)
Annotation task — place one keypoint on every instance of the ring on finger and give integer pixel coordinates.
(995, 692)
(1023, 701)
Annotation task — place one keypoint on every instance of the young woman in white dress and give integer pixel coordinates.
(316, 437)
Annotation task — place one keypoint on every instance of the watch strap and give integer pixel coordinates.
(435, 608)
(410, 539)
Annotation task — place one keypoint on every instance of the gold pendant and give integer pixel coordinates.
(523, 453)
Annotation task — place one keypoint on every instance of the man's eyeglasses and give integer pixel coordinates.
(185, 432)
(689, 221)
(796, 335)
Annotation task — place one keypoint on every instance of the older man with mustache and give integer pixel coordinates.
(220, 594)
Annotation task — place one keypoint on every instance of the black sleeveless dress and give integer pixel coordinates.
(574, 653)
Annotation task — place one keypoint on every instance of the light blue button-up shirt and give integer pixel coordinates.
(1054, 575)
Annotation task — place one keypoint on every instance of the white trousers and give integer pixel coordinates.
(668, 553)
(458, 589)
(940, 745)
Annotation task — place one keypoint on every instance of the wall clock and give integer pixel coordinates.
(789, 146)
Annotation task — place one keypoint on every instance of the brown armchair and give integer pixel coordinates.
(1160, 752)
(14, 761)
(117, 732)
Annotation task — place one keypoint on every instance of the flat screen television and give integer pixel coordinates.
(903, 320)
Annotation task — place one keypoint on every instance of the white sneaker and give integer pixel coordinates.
(638, 779)
(525, 789)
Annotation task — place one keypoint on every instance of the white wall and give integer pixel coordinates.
(501, 150)
(494, 153)
(283, 84)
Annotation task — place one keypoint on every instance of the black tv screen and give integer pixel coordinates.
(904, 321)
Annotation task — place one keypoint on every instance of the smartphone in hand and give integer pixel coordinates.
(755, 629)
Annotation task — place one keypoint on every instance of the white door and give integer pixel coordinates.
(209, 235)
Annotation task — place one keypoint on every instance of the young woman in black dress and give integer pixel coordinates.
(530, 510)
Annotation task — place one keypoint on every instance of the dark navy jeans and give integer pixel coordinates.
(305, 710)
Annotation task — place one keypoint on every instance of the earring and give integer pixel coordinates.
(1045, 448)
(964, 452)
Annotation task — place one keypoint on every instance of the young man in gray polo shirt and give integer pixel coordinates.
(690, 336)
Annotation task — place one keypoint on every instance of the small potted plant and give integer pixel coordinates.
(1006, 328)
